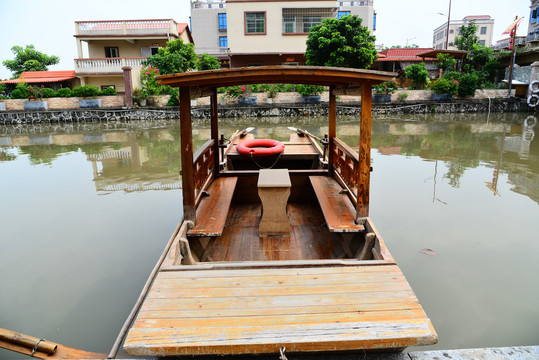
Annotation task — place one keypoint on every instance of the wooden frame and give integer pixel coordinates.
(245, 13)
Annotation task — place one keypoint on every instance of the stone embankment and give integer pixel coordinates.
(284, 105)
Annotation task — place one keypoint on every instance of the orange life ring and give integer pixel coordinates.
(260, 147)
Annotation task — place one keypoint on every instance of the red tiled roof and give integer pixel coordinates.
(402, 54)
(477, 17)
(42, 77)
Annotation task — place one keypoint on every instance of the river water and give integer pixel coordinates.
(88, 208)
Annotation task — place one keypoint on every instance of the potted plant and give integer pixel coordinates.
(444, 89)
(139, 96)
(87, 91)
(310, 94)
(271, 92)
(35, 99)
(383, 91)
(242, 94)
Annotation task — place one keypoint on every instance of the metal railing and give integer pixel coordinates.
(106, 64)
(504, 44)
(532, 37)
(211, 4)
(355, 3)
(126, 27)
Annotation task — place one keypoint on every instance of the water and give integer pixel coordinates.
(88, 208)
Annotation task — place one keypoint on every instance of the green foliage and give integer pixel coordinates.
(138, 95)
(445, 86)
(149, 83)
(176, 57)
(86, 91)
(3, 89)
(64, 92)
(445, 62)
(110, 91)
(20, 92)
(388, 87)
(236, 91)
(48, 92)
(208, 62)
(480, 56)
(272, 90)
(468, 39)
(307, 89)
(174, 101)
(452, 75)
(468, 84)
(491, 69)
(418, 74)
(29, 59)
(341, 42)
(402, 96)
(35, 92)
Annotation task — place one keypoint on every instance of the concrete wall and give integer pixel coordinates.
(96, 48)
(205, 29)
(65, 103)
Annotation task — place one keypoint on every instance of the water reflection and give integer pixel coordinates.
(449, 183)
(136, 157)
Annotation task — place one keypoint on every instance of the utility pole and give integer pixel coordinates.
(447, 30)
(512, 44)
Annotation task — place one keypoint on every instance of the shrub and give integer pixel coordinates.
(445, 86)
(402, 96)
(388, 87)
(3, 89)
(20, 92)
(445, 62)
(86, 91)
(64, 92)
(307, 89)
(110, 91)
(35, 92)
(48, 92)
(236, 91)
(468, 84)
(208, 62)
(173, 101)
(418, 74)
(452, 75)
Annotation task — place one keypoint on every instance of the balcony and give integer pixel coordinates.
(126, 27)
(209, 4)
(504, 44)
(107, 65)
(532, 37)
(355, 3)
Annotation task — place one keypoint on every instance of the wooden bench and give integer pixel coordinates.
(338, 210)
(212, 211)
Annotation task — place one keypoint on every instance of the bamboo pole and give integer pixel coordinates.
(28, 341)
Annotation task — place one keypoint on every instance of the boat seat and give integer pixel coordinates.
(339, 212)
(212, 211)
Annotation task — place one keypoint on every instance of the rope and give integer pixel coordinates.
(272, 165)
(35, 347)
(283, 356)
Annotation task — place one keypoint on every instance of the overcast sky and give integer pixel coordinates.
(50, 25)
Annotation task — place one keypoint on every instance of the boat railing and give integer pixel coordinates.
(203, 165)
(346, 166)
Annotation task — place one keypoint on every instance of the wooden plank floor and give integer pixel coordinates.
(310, 238)
(241, 311)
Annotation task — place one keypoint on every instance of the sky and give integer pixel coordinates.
(50, 25)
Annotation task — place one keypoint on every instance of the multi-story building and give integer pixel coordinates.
(269, 32)
(533, 27)
(485, 28)
(115, 45)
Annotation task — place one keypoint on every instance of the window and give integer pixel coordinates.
(222, 22)
(289, 24)
(451, 31)
(483, 30)
(103, 87)
(310, 21)
(340, 14)
(154, 49)
(223, 41)
(255, 23)
(374, 22)
(112, 52)
(482, 42)
(460, 30)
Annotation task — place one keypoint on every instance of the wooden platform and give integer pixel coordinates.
(257, 311)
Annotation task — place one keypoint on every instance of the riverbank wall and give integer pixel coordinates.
(263, 110)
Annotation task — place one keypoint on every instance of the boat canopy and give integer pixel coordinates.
(341, 81)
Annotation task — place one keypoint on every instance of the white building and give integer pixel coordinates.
(485, 28)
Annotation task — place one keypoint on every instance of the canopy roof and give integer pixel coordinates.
(316, 75)
(457, 54)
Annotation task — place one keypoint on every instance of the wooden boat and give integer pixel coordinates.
(277, 252)
(274, 254)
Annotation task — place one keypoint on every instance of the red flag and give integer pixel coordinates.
(514, 25)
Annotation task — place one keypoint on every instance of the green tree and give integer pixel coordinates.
(208, 62)
(29, 59)
(341, 42)
(176, 57)
(418, 74)
(445, 62)
(469, 37)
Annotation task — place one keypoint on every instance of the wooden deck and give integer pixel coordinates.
(309, 238)
(255, 311)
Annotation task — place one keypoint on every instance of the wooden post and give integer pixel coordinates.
(186, 149)
(215, 130)
(332, 131)
(364, 152)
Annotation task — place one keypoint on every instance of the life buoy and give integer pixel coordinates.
(533, 100)
(260, 147)
(532, 88)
